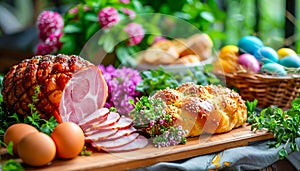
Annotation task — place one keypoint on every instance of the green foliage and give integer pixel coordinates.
(203, 15)
(284, 125)
(7, 119)
(12, 165)
(154, 80)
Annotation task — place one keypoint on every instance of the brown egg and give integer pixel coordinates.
(69, 140)
(16, 132)
(37, 149)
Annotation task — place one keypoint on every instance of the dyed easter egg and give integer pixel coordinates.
(249, 44)
(266, 55)
(229, 52)
(250, 62)
(273, 68)
(282, 52)
(290, 61)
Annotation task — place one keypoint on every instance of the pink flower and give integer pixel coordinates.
(73, 10)
(124, 1)
(135, 32)
(50, 45)
(108, 17)
(129, 12)
(49, 22)
(158, 38)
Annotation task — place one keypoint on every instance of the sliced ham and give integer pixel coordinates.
(139, 142)
(115, 143)
(99, 115)
(111, 119)
(121, 132)
(84, 93)
(101, 135)
(122, 123)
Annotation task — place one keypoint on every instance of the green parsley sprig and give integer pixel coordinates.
(284, 125)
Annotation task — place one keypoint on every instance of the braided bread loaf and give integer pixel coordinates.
(210, 109)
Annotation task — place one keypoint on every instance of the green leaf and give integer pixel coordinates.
(92, 29)
(91, 17)
(109, 44)
(12, 165)
(9, 148)
(72, 28)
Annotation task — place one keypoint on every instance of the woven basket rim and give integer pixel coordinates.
(257, 75)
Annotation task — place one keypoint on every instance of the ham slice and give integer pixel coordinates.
(111, 119)
(99, 116)
(139, 142)
(115, 143)
(84, 93)
(121, 132)
(122, 123)
(101, 135)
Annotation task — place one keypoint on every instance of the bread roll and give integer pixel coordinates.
(204, 109)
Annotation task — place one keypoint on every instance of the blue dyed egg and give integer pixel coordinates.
(290, 61)
(266, 55)
(273, 68)
(249, 44)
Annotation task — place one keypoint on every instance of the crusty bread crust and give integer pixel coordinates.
(204, 109)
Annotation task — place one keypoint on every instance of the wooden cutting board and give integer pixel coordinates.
(196, 146)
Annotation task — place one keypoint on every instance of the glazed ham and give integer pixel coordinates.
(70, 87)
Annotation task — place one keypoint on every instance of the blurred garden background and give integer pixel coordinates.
(225, 21)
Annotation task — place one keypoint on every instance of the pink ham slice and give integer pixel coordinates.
(111, 119)
(121, 132)
(122, 123)
(115, 143)
(139, 142)
(99, 116)
(84, 93)
(101, 135)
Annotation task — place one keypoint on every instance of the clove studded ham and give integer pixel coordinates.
(71, 88)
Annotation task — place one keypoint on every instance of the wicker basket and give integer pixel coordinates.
(268, 90)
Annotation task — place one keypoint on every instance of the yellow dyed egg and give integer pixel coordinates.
(282, 52)
(229, 52)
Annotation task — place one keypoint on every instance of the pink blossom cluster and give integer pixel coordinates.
(50, 25)
(135, 33)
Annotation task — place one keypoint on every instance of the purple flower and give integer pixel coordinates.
(49, 22)
(131, 14)
(121, 87)
(124, 1)
(135, 32)
(108, 17)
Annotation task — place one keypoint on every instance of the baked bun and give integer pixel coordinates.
(204, 109)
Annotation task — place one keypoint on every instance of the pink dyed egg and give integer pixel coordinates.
(249, 62)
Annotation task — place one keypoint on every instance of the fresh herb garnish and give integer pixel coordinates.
(284, 125)
(150, 115)
(85, 152)
(198, 76)
(154, 80)
(11, 165)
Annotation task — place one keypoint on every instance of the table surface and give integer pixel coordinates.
(196, 146)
